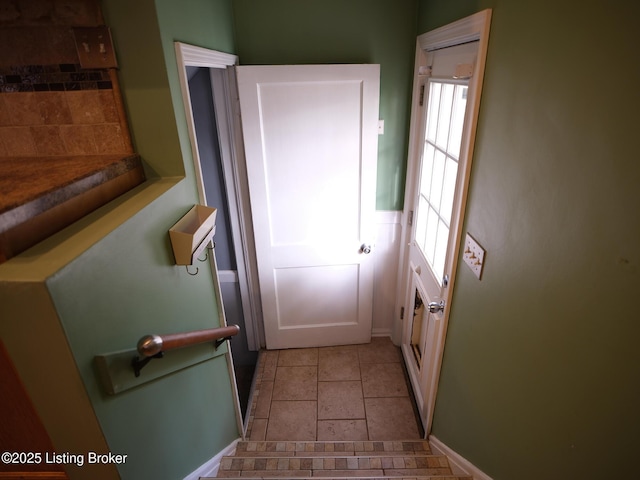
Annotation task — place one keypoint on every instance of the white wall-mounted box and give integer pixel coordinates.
(191, 234)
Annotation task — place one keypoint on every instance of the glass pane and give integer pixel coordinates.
(430, 243)
(441, 250)
(457, 122)
(436, 182)
(443, 137)
(427, 170)
(444, 118)
(448, 190)
(432, 116)
(421, 222)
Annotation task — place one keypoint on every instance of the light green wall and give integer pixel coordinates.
(125, 287)
(144, 81)
(203, 23)
(338, 31)
(541, 366)
(144, 33)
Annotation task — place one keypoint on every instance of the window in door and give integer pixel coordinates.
(445, 119)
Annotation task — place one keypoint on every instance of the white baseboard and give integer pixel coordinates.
(459, 464)
(210, 468)
(381, 332)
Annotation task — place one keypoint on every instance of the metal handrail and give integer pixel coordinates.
(154, 346)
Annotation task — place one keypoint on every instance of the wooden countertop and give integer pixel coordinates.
(30, 186)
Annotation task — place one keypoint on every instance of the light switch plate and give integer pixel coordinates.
(473, 255)
(95, 47)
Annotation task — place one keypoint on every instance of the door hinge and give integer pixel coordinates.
(410, 219)
(421, 95)
(401, 313)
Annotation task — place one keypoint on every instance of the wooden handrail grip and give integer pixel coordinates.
(151, 345)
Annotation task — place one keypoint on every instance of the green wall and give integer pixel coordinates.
(203, 23)
(541, 366)
(139, 290)
(337, 31)
(125, 287)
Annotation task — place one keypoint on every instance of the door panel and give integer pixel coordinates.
(311, 151)
(340, 283)
(300, 158)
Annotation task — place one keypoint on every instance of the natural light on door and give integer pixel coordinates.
(445, 119)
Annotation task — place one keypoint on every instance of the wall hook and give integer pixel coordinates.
(206, 253)
(192, 274)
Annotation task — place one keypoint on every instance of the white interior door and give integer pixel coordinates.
(447, 89)
(311, 150)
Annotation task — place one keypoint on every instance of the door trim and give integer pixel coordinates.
(232, 151)
(472, 28)
(192, 56)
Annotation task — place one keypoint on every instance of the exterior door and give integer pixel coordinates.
(432, 241)
(446, 99)
(310, 135)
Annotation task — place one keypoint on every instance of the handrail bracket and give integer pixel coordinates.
(221, 341)
(139, 363)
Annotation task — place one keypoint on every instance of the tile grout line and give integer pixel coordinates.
(270, 365)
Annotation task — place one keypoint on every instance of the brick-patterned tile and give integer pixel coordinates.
(249, 464)
(349, 473)
(352, 463)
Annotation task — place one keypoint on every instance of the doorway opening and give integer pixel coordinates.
(208, 85)
(201, 94)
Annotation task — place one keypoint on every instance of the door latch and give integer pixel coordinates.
(366, 249)
(435, 307)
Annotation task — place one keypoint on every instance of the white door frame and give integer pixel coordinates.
(232, 152)
(472, 28)
(231, 149)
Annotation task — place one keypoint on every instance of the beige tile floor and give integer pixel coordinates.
(346, 393)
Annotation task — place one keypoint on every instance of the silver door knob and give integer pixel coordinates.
(366, 249)
(435, 307)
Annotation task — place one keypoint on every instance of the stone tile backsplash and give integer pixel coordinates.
(55, 78)
(49, 106)
(59, 123)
